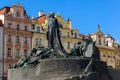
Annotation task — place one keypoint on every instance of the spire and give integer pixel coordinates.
(68, 20)
(98, 30)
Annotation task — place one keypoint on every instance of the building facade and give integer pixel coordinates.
(109, 49)
(68, 35)
(1, 50)
(17, 35)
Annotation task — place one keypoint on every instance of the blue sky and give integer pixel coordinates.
(85, 14)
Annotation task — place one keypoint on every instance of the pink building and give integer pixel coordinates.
(17, 35)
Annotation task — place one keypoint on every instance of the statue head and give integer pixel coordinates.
(51, 14)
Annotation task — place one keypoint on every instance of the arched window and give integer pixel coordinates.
(25, 28)
(18, 27)
(38, 29)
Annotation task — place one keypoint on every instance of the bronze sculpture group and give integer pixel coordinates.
(85, 49)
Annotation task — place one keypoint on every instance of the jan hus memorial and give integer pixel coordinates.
(54, 63)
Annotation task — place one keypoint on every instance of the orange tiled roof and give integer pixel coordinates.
(41, 19)
(4, 10)
(1, 24)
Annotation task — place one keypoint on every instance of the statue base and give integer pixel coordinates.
(60, 69)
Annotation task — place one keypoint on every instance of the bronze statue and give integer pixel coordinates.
(53, 34)
(86, 49)
(54, 49)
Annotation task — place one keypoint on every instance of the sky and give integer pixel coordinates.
(84, 14)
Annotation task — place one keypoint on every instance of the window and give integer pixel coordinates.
(17, 39)
(108, 56)
(68, 45)
(18, 14)
(25, 53)
(25, 28)
(68, 34)
(17, 53)
(40, 42)
(18, 27)
(75, 35)
(104, 55)
(36, 41)
(9, 25)
(25, 40)
(99, 38)
(9, 52)
(38, 29)
(9, 38)
(106, 42)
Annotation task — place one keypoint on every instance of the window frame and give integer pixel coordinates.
(9, 52)
(17, 27)
(38, 29)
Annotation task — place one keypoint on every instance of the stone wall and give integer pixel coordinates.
(115, 74)
(1, 52)
(52, 69)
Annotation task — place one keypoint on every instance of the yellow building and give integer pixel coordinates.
(68, 35)
(39, 34)
(109, 49)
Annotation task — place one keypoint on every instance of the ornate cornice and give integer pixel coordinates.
(25, 20)
(18, 32)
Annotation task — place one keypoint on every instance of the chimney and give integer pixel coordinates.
(41, 13)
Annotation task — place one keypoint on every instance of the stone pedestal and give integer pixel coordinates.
(53, 69)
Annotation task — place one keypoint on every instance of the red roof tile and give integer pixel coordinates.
(41, 19)
(4, 10)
